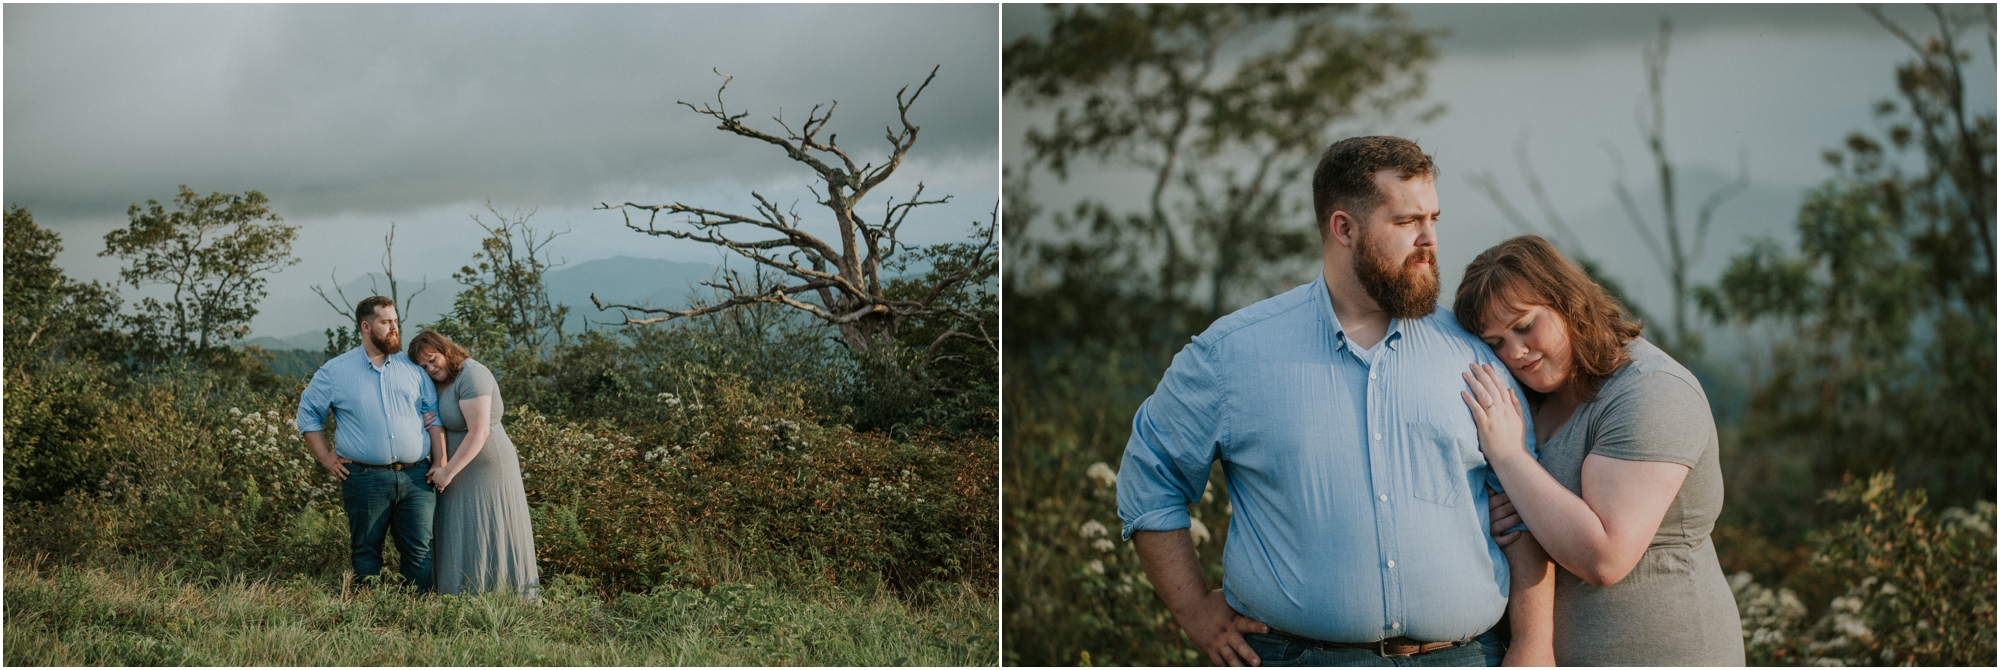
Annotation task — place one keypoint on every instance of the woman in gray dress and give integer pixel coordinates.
(1628, 483)
(483, 539)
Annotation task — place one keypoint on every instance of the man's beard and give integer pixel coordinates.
(1403, 292)
(389, 345)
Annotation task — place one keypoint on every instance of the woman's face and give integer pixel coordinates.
(1532, 340)
(433, 364)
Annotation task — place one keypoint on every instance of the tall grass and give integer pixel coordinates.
(133, 613)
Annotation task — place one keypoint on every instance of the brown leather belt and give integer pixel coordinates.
(1395, 647)
(391, 466)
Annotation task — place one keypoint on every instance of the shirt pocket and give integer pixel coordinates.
(1431, 464)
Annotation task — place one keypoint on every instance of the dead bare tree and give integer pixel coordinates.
(1675, 251)
(845, 279)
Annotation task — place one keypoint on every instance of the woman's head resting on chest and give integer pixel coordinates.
(440, 357)
(1552, 325)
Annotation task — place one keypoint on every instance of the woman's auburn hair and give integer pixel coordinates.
(454, 355)
(1527, 270)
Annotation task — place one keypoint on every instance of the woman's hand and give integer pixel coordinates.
(440, 478)
(1497, 412)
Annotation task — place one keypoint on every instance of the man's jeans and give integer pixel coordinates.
(1281, 651)
(377, 498)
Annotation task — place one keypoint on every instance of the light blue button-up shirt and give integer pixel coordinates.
(378, 413)
(1356, 481)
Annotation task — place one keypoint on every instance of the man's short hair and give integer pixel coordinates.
(369, 305)
(1345, 178)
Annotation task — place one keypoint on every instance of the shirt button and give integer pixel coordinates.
(1383, 497)
(1378, 437)
(1371, 375)
(1392, 565)
(1397, 625)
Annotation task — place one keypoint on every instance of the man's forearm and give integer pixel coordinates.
(1531, 602)
(316, 440)
(1171, 564)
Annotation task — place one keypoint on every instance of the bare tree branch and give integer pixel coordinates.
(839, 282)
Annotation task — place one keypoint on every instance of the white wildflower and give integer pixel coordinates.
(1102, 544)
(1097, 566)
(1091, 529)
(235, 412)
(1197, 530)
(1208, 492)
(1102, 474)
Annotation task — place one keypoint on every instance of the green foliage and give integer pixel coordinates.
(1072, 587)
(197, 466)
(507, 297)
(205, 469)
(1226, 108)
(212, 252)
(48, 314)
(153, 615)
(1885, 354)
(52, 424)
(1902, 587)
(633, 504)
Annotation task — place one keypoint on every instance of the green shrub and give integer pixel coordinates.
(1901, 586)
(210, 475)
(638, 504)
(52, 424)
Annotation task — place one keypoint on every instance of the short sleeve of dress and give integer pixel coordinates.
(479, 381)
(1659, 417)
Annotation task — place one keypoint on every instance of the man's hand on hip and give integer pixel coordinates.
(1175, 570)
(1219, 629)
(335, 465)
(316, 443)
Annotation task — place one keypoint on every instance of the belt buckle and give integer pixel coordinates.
(396, 466)
(1382, 649)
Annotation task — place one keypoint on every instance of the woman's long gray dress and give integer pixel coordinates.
(1675, 608)
(482, 537)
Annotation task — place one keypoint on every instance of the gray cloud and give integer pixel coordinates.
(384, 108)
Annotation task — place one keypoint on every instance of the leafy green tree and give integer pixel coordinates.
(47, 312)
(505, 306)
(213, 252)
(55, 390)
(1226, 109)
(1885, 354)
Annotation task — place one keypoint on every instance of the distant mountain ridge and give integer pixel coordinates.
(621, 279)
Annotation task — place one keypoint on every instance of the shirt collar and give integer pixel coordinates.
(1393, 339)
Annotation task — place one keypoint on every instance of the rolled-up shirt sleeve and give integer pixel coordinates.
(1174, 440)
(314, 403)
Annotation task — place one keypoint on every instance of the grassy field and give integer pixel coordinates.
(143, 615)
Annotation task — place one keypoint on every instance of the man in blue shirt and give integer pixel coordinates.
(1358, 490)
(378, 399)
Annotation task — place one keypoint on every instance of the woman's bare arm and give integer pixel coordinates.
(1598, 537)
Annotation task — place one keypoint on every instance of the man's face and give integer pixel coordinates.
(1395, 254)
(382, 330)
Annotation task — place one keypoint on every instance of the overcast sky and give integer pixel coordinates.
(1778, 83)
(350, 117)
